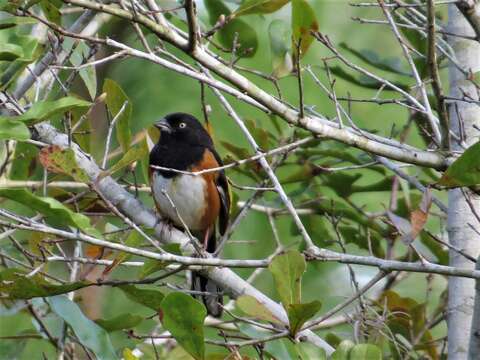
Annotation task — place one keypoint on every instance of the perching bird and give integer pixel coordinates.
(199, 201)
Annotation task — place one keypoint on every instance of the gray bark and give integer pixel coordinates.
(463, 117)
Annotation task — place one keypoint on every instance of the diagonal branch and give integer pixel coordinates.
(471, 10)
(317, 125)
(231, 283)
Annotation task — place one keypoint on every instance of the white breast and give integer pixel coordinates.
(186, 192)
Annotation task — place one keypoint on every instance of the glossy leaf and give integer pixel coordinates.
(133, 154)
(147, 297)
(115, 100)
(183, 316)
(14, 130)
(465, 171)
(303, 22)
(31, 51)
(44, 110)
(120, 322)
(12, 21)
(259, 7)
(280, 46)
(55, 212)
(287, 270)
(298, 314)
(10, 52)
(62, 161)
(247, 37)
(252, 307)
(23, 161)
(88, 333)
(343, 350)
(15, 284)
(365, 352)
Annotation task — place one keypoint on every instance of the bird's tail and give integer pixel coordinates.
(211, 292)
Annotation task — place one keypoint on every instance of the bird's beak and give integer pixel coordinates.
(163, 126)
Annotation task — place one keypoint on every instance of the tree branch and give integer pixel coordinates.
(231, 283)
(315, 124)
(471, 10)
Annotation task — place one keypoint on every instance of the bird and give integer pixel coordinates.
(199, 202)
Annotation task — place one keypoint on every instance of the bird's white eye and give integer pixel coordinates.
(182, 125)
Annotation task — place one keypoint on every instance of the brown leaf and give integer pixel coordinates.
(62, 161)
(419, 217)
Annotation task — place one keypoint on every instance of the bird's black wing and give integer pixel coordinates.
(223, 191)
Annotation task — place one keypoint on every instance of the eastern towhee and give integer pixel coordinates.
(199, 201)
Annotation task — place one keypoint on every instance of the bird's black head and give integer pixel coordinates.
(183, 128)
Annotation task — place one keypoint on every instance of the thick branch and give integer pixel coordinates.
(365, 141)
(136, 211)
(471, 10)
(474, 348)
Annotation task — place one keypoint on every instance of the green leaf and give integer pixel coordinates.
(298, 314)
(343, 350)
(183, 316)
(287, 270)
(29, 45)
(51, 11)
(280, 46)
(120, 322)
(150, 266)
(55, 212)
(260, 134)
(259, 7)
(133, 154)
(134, 239)
(252, 307)
(392, 64)
(465, 171)
(87, 74)
(365, 352)
(10, 52)
(303, 22)
(12, 21)
(43, 110)
(247, 37)
(147, 297)
(15, 130)
(62, 161)
(88, 333)
(115, 100)
(31, 51)
(15, 284)
(23, 161)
